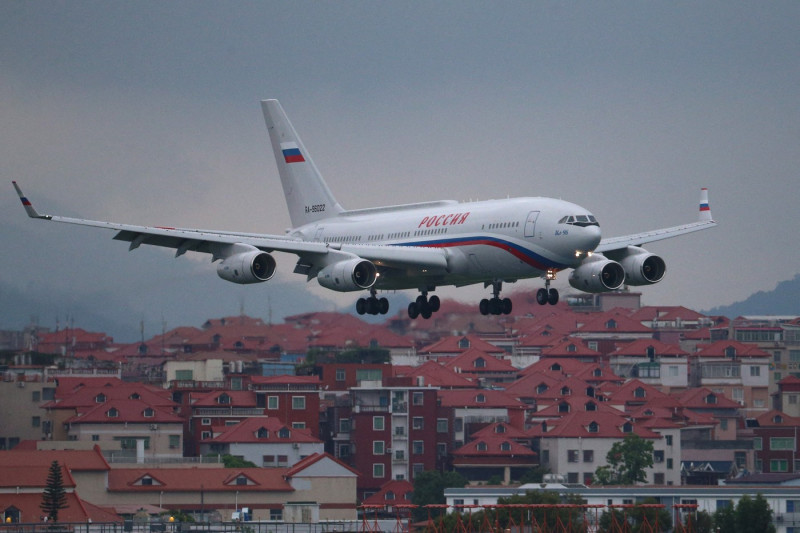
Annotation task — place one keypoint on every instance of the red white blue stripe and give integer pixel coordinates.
(291, 153)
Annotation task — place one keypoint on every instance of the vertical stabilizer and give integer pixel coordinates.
(705, 208)
(307, 194)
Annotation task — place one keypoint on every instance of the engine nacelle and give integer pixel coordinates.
(253, 266)
(597, 274)
(642, 267)
(350, 275)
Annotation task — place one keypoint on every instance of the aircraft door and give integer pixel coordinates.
(530, 224)
(318, 234)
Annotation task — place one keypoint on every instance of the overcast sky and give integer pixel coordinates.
(148, 112)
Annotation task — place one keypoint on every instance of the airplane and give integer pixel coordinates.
(418, 246)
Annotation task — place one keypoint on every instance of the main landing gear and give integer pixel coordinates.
(372, 305)
(423, 306)
(496, 306)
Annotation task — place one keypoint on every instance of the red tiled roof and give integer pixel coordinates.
(75, 460)
(247, 431)
(579, 424)
(775, 418)
(437, 375)
(468, 362)
(188, 479)
(640, 347)
(451, 345)
(719, 348)
(471, 398)
(493, 445)
(698, 398)
(400, 492)
(127, 412)
(313, 459)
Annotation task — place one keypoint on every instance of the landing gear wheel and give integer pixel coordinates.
(541, 296)
(552, 297)
(484, 307)
(507, 306)
(361, 306)
(434, 303)
(383, 306)
(413, 311)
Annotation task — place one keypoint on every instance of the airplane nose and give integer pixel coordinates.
(591, 236)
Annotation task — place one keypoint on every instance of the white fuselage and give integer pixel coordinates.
(495, 240)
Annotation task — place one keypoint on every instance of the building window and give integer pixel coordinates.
(418, 447)
(284, 433)
(668, 439)
(36, 396)
(658, 456)
(344, 425)
(340, 374)
(377, 423)
(755, 371)
(298, 425)
(669, 463)
(377, 447)
(593, 427)
(174, 442)
(112, 413)
(418, 422)
(778, 465)
(481, 446)
(757, 443)
(276, 514)
(298, 402)
(205, 421)
(781, 443)
(377, 470)
(441, 425)
(588, 456)
(272, 402)
(36, 421)
(572, 456)
(149, 413)
(95, 438)
(205, 435)
(480, 398)
(417, 398)
(658, 478)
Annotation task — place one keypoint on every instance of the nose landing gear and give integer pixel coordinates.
(547, 295)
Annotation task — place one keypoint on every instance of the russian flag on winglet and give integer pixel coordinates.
(291, 153)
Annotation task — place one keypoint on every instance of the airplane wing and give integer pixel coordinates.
(637, 239)
(312, 254)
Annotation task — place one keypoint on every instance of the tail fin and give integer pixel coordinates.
(705, 208)
(307, 194)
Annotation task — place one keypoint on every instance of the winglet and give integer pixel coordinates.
(27, 204)
(705, 208)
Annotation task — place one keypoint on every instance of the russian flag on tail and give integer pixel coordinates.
(291, 153)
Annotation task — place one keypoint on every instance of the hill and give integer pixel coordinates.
(783, 300)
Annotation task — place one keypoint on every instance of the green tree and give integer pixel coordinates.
(231, 461)
(429, 489)
(534, 475)
(627, 461)
(54, 497)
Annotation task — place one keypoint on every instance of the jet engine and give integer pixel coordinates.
(642, 267)
(349, 275)
(253, 266)
(597, 274)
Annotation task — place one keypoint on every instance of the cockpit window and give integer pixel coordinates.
(579, 220)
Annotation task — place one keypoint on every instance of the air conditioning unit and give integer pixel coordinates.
(296, 445)
(388, 450)
(21, 384)
(153, 427)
